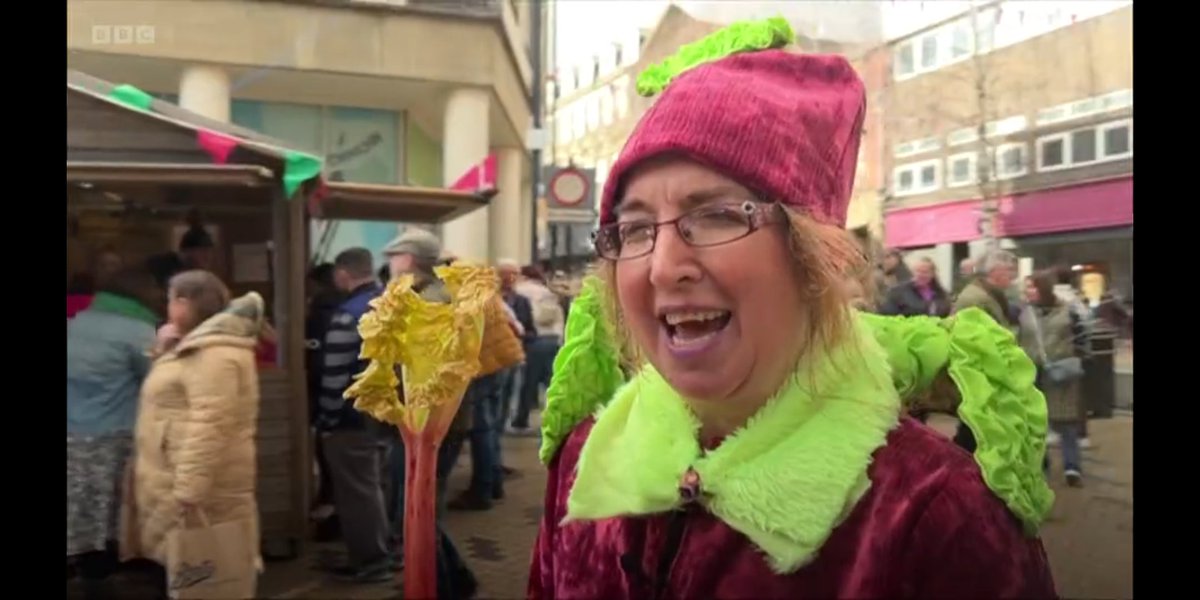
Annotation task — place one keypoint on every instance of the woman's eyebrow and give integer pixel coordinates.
(633, 204)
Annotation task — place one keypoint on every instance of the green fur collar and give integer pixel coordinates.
(785, 480)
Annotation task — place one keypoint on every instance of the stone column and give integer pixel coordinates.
(465, 145)
(506, 213)
(205, 90)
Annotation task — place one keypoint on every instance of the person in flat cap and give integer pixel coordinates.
(721, 422)
(415, 251)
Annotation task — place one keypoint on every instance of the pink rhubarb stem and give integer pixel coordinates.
(420, 517)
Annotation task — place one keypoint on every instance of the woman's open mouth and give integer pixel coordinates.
(691, 332)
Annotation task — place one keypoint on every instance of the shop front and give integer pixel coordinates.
(1088, 227)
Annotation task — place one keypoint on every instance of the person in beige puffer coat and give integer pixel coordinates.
(195, 453)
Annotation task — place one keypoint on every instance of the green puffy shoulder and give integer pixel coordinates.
(994, 378)
(998, 399)
(587, 370)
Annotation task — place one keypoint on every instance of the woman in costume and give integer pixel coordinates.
(759, 447)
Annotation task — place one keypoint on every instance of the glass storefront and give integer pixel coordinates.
(1105, 251)
(359, 145)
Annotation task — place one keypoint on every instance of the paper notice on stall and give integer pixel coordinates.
(251, 263)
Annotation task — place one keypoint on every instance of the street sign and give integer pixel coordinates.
(570, 187)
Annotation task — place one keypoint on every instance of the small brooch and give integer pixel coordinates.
(689, 486)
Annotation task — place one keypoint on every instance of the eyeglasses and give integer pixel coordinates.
(706, 226)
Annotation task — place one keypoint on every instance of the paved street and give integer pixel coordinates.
(1089, 537)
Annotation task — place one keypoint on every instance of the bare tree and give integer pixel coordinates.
(983, 84)
(987, 86)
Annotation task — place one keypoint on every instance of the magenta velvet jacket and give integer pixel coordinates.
(928, 528)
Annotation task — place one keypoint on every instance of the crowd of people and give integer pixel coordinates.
(1051, 318)
(162, 408)
(361, 461)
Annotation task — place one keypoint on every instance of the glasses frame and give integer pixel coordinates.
(761, 214)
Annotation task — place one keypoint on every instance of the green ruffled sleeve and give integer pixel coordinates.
(998, 400)
(587, 370)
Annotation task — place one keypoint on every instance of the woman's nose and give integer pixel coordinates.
(673, 260)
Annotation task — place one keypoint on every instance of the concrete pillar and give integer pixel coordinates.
(205, 90)
(465, 145)
(505, 210)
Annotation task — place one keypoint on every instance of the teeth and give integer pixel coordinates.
(677, 318)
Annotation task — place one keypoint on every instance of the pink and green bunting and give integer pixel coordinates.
(132, 97)
(298, 168)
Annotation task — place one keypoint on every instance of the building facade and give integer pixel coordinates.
(593, 108)
(596, 105)
(865, 214)
(389, 91)
(1012, 122)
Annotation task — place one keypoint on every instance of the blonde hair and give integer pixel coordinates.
(825, 258)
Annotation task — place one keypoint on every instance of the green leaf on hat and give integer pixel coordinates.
(131, 96)
(743, 36)
(298, 168)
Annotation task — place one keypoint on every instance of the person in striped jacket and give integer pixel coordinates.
(356, 446)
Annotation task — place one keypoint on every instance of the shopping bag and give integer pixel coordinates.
(212, 562)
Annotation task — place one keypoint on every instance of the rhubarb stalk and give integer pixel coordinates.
(420, 514)
(436, 345)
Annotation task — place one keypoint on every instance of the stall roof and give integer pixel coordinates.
(227, 145)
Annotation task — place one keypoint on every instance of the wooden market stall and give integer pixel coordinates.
(136, 166)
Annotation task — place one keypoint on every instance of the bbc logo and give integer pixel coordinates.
(104, 35)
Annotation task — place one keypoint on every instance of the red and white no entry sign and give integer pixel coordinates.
(569, 187)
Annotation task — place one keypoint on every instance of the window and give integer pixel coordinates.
(985, 30)
(1056, 114)
(917, 147)
(621, 96)
(917, 178)
(1005, 127)
(606, 106)
(1016, 22)
(1117, 100)
(1116, 140)
(929, 51)
(1083, 146)
(1052, 152)
(966, 135)
(1086, 107)
(1009, 161)
(929, 176)
(1090, 145)
(960, 41)
(960, 169)
(904, 60)
(946, 45)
